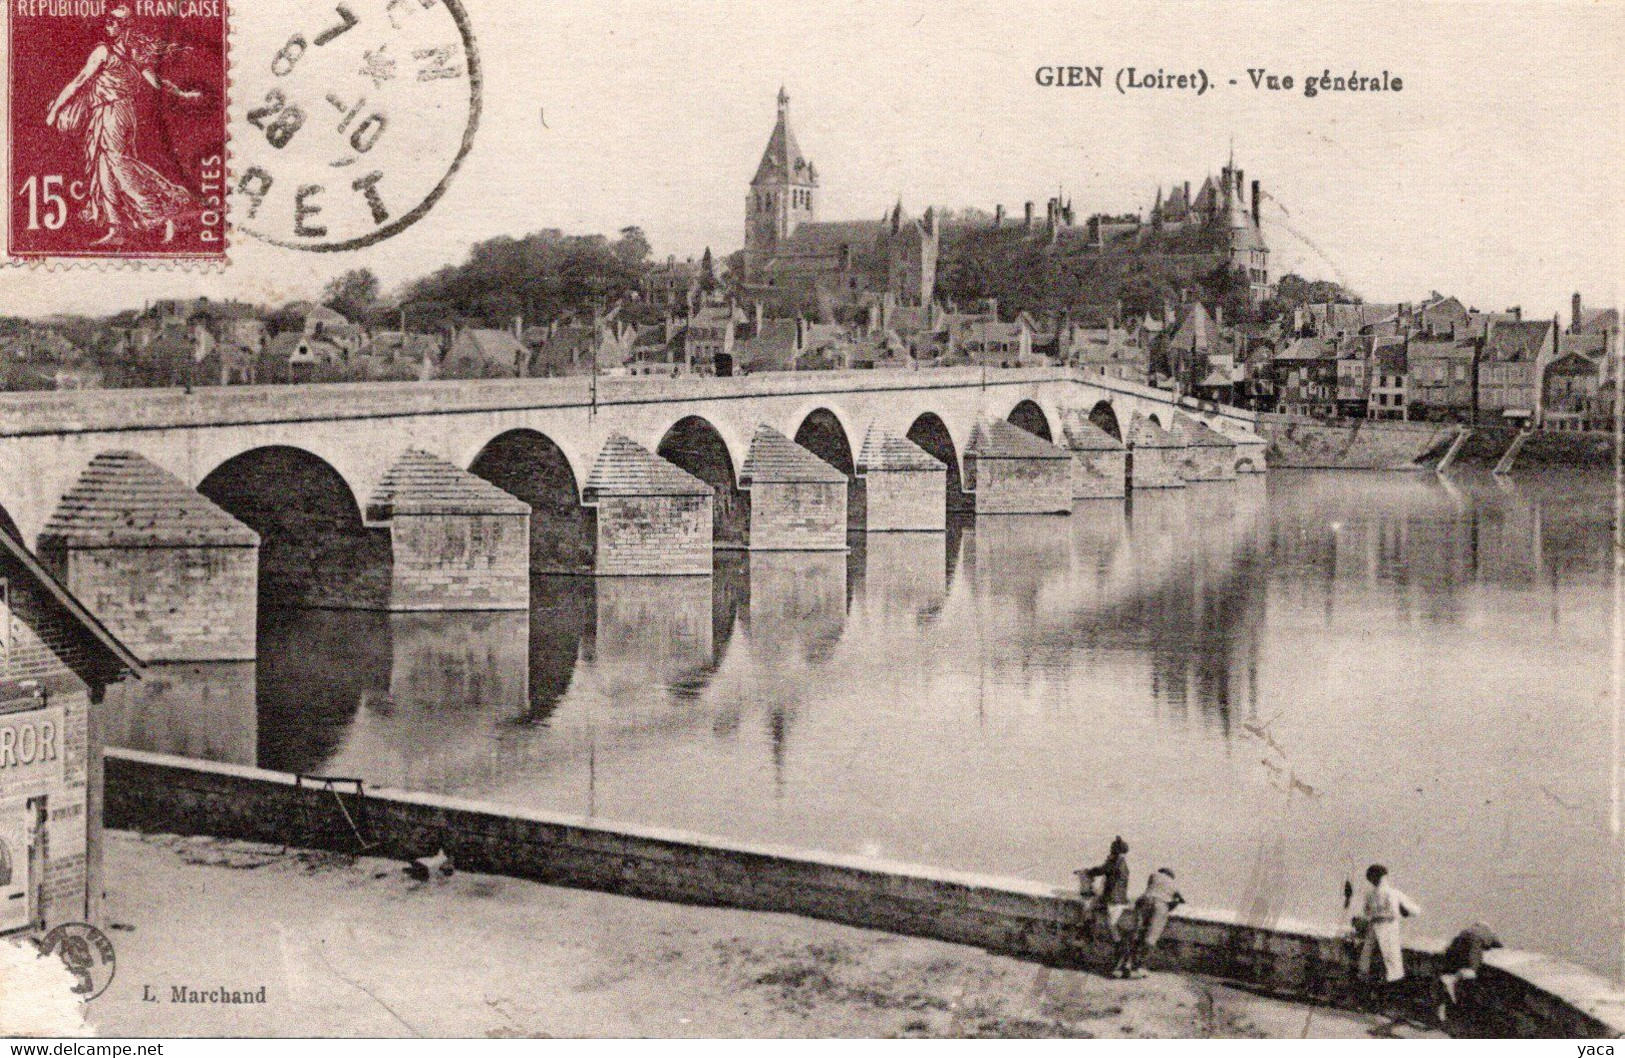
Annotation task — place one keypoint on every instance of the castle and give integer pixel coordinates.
(796, 261)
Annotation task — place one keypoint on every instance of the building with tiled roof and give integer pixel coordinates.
(457, 541)
(905, 487)
(1099, 460)
(797, 501)
(651, 517)
(1011, 471)
(171, 574)
(1156, 455)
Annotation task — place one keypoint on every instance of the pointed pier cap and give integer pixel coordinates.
(626, 468)
(999, 439)
(1198, 434)
(1143, 433)
(1082, 435)
(773, 457)
(423, 483)
(125, 500)
(883, 450)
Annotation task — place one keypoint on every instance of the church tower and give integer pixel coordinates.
(783, 194)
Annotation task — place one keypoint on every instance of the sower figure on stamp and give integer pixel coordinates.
(100, 106)
(1112, 898)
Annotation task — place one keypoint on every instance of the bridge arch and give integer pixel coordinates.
(1030, 417)
(931, 433)
(698, 447)
(1104, 416)
(314, 548)
(822, 433)
(531, 466)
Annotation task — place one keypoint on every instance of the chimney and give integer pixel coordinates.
(1187, 192)
(1574, 303)
(1256, 194)
(1516, 312)
(1029, 221)
(1241, 183)
(998, 215)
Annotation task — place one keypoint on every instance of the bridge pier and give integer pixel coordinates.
(1209, 455)
(1156, 455)
(797, 501)
(654, 518)
(906, 487)
(1012, 472)
(169, 573)
(458, 542)
(1250, 447)
(1099, 460)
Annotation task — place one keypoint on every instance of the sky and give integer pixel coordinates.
(1488, 176)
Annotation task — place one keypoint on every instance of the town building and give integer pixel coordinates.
(1511, 367)
(1442, 378)
(57, 662)
(1390, 372)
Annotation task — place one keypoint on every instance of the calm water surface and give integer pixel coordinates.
(1263, 686)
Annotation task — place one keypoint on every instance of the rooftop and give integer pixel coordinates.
(886, 451)
(1197, 434)
(1082, 435)
(124, 499)
(423, 483)
(1000, 439)
(626, 468)
(1143, 433)
(774, 457)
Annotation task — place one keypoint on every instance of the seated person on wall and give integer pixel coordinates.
(1151, 912)
(1459, 969)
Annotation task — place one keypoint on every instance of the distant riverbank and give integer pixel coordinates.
(1357, 444)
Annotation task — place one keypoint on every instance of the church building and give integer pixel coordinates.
(794, 260)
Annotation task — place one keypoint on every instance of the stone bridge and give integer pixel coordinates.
(402, 496)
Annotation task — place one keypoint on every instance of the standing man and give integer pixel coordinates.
(1112, 900)
(1151, 913)
(1384, 907)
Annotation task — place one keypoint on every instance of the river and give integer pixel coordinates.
(1262, 685)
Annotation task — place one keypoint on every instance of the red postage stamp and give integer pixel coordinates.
(117, 124)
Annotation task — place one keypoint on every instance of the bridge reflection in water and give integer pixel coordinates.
(1264, 685)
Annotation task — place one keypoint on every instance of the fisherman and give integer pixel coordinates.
(1379, 922)
(1151, 913)
(1463, 959)
(1112, 899)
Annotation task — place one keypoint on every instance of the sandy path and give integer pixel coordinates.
(346, 948)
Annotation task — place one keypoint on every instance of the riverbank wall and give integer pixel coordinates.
(1358, 444)
(1527, 994)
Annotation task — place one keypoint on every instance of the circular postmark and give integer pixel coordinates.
(349, 119)
(86, 952)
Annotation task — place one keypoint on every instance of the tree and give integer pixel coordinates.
(353, 294)
(632, 248)
(708, 273)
